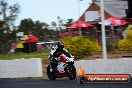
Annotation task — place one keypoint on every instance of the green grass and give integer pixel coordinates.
(43, 54)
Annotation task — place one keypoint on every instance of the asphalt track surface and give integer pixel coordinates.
(58, 83)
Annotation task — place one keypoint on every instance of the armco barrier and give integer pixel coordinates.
(21, 68)
(109, 66)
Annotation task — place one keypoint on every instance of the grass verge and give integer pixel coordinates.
(43, 54)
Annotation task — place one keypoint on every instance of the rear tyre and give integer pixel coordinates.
(50, 73)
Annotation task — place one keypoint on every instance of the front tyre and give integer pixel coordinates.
(71, 72)
(50, 73)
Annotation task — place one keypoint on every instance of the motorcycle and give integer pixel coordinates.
(65, 68)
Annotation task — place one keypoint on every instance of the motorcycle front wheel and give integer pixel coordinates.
(71, 72)
(50, 73)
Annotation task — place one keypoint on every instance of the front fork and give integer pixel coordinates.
(68, 67)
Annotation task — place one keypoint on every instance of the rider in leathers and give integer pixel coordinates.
(56, 51)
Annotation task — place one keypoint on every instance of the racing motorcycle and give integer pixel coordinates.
(65, 68)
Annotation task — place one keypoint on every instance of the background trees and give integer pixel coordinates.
(8, 15)
(39, 29)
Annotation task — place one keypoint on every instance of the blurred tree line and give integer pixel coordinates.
(8, 15)
(42, 30)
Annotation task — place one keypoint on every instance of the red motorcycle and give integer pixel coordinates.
(65, 68)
